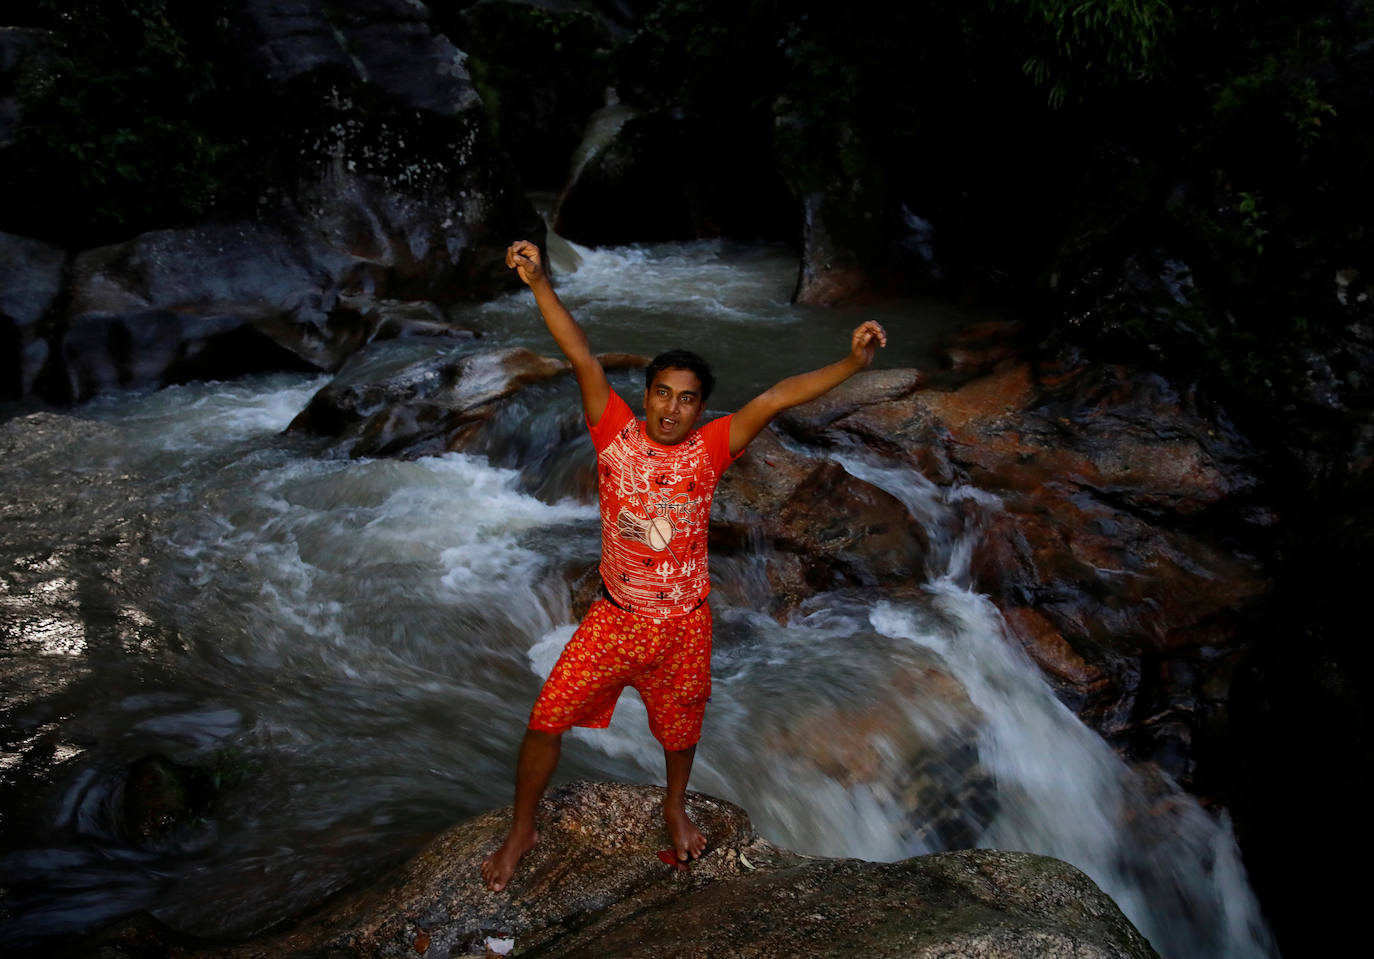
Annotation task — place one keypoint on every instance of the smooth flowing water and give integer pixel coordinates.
(355, 645)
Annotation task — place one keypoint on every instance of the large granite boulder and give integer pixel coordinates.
(594, 886)
(390, 44)
(31, 283)
(424, 408)
(209, 302)
(381, 195)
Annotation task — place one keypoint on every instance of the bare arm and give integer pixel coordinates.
(758, 412)
(523, 257)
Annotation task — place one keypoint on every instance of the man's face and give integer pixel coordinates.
(672, 404)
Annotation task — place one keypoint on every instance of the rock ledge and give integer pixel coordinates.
(594, 886)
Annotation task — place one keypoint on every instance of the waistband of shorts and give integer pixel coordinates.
(606, 595)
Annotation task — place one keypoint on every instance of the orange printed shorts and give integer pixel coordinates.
(667, 661)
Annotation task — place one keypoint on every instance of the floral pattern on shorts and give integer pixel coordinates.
(668, 661)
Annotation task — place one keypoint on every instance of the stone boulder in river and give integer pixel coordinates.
(34, 271)
(594, 886)
(424, 408)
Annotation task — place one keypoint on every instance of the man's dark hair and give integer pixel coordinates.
(682, 360)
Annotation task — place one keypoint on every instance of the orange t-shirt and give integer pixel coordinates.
(656, 510)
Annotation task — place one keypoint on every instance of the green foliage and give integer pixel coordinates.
(539, 74)
(854, 82)
(705, 55)
(1252, 213)
(1305, 110)
(125, 110)
(1266, 70)
(1082, 45)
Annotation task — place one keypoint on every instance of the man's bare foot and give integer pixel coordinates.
(688, 841)
(500, 865)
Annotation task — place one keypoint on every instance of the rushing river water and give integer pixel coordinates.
(355, 645)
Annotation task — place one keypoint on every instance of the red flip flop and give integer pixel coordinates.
(669, 856)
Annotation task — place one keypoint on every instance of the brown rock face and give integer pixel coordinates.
(826, 528)
(830, 272)
(1129, 532)
(980, 347)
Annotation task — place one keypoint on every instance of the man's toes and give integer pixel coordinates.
(489, 875)
(691, 848)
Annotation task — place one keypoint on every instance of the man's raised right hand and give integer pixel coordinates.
(522, 256)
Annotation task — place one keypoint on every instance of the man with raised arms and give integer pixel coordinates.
(651, 628)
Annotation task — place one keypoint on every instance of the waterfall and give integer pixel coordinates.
(1173, 868)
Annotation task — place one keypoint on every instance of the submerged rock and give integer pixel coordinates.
(594, 886)
(161, 795)
(913, 743)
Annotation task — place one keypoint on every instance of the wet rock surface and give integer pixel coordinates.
(34, 281)
(448, 403)
(1129, 538)
(826, 529)
(913, 742)
(425, 408)
(594, 886)
(160, 795)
